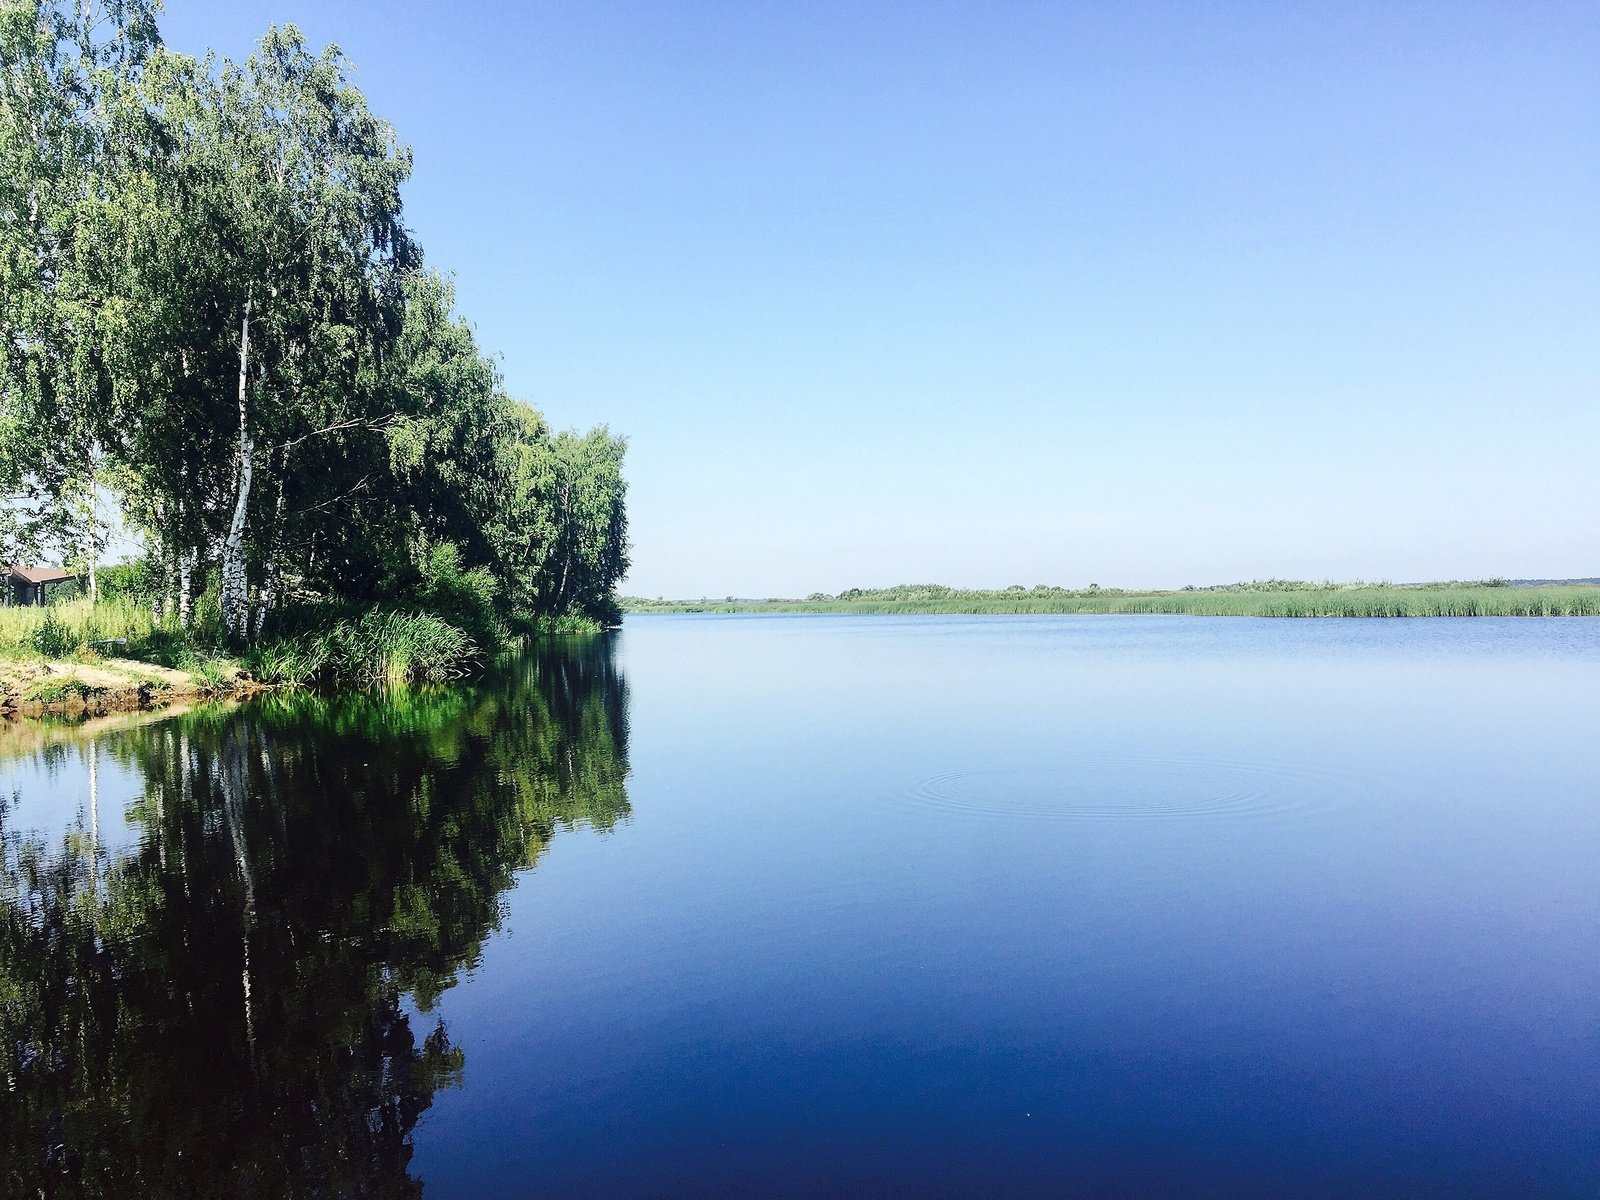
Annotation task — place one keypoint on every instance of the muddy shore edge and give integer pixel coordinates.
(92, 688)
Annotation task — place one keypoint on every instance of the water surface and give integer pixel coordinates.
(825, 906)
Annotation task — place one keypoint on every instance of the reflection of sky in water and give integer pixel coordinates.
(48, 795)
(918, 906)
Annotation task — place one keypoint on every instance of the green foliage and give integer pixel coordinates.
(54, 638)
(394, 646)
(138, 581)
(166, 645)
(588, 556)
(319, 641)
(1272, 598)
(566, 625)
(213, 317)
(378, 645)
(61, 630)
(65, 75)
(54, 691)
(212, 674)
(291, 663)
(466, 599)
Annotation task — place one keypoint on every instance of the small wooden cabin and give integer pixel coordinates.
(28, 585)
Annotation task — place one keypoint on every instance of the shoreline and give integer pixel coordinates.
(1368, 600)
(69, 688)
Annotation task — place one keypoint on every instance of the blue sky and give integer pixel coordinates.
(1138, 294)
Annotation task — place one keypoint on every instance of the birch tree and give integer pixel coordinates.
(212, 314)
(290, 189)
(64, 72)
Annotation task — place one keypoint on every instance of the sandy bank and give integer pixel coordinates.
(70, 688)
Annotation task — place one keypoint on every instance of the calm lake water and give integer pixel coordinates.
(830, 906)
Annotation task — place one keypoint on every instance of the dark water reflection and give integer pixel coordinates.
(224, 988)
(829, 907)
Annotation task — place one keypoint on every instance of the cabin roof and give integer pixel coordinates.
(41, 574)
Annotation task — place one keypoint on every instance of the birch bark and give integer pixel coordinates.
(235, 582)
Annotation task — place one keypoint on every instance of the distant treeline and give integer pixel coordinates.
(216, 331)
(1261, 598)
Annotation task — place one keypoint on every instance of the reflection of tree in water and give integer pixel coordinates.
(219, 1012)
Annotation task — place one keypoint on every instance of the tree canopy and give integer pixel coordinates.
(215, 322)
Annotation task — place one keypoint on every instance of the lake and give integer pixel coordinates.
(821, 906)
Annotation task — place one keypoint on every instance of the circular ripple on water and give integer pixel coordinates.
(1111, 789)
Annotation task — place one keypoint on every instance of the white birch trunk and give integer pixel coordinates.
(187, 561)
(235, 583)
(268, 594)
(566, 544)
(93, 755)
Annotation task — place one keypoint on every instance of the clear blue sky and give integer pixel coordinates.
(1138, 294)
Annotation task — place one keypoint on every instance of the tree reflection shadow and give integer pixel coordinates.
(238, 1005)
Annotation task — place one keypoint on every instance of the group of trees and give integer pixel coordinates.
(215, 323)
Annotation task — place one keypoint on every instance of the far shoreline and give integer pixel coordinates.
(1271, 599)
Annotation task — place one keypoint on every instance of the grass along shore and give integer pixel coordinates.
(1270, 598)
(79, 657)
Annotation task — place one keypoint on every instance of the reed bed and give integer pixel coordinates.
(1373, 600)
(390, 647)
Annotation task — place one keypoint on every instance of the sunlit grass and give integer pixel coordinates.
(72, 627)
(379, 645)
(1272, 599)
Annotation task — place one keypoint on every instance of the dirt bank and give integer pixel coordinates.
(33, 688)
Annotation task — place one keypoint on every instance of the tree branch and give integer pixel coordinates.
(329, 503)
(336, 427)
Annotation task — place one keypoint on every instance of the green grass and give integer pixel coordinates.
(211, 673)
(72, 627)
(377, 646)
(154, 684)
(326, 643)
(564, 626)
(54, 691)
(1269, 598)
(290, 663)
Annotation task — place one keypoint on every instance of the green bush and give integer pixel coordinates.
(54, 691)
(138, 581)
(466, 598)
(295, 662)
(54, 638)
(561, 626)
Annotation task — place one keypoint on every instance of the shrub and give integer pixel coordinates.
(462, 597)
(138, 581)
(54, 638)
(206, 623)
(54, 691)
(211, 673)
(561, 626)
